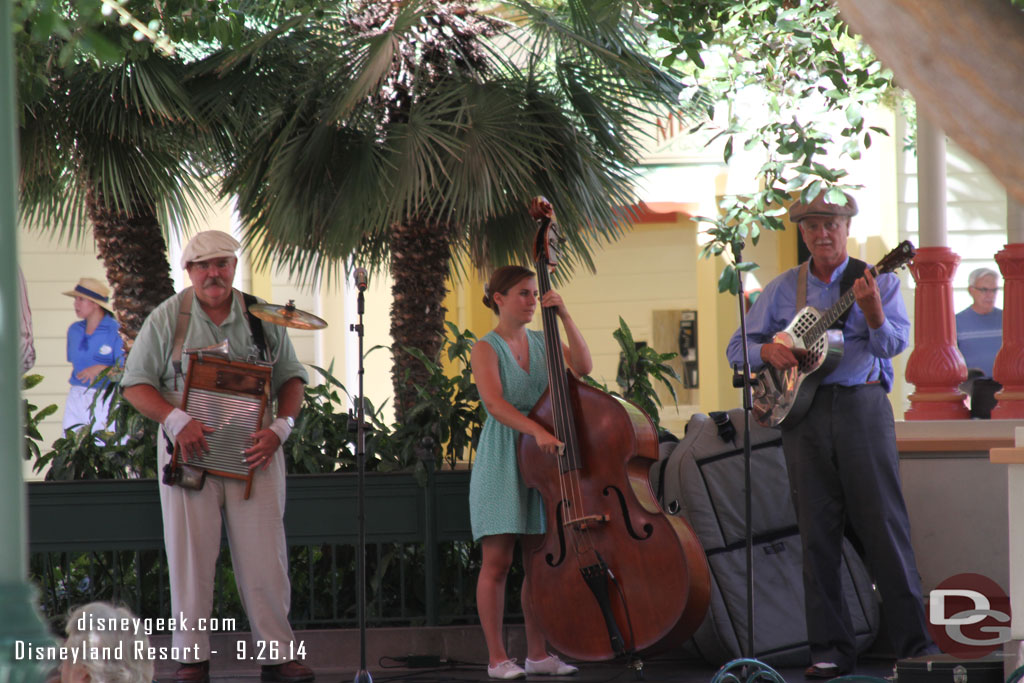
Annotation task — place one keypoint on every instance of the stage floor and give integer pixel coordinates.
(659, 670)
(335, 655)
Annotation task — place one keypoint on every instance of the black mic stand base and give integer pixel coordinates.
(747, 671)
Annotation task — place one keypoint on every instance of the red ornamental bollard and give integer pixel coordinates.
(1009, 366)
(935, 367)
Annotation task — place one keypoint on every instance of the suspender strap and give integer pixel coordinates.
(255, 324)
(801, 285)
(185, 315)
(180, 329)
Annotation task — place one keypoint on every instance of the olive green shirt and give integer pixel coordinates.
(149, 361)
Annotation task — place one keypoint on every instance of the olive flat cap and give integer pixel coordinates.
(207, 245)
(820, 207)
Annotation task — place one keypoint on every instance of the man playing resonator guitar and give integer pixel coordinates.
(841, 454)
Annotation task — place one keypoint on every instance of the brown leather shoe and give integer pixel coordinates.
(289, 672)
(822, 671)
(197, 672)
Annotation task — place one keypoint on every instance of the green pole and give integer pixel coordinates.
(21, 626)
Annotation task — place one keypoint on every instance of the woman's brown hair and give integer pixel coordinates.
(501, 281)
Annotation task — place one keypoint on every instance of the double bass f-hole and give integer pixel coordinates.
(613, 574)
(648, 528)
(585, 522)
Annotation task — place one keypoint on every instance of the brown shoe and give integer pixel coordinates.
(822, 671)
(289, 672)
(197, 672)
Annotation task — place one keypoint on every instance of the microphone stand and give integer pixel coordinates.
(753, 670)
(737, 248)
(362, 676)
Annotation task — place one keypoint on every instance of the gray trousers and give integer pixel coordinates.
(844, 467)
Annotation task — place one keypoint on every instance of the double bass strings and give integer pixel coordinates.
(569, 459)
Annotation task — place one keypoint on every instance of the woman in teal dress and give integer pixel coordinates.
(510, 370)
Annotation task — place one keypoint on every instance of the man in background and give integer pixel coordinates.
(979, 327)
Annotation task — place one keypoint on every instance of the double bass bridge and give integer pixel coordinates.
(585, 522)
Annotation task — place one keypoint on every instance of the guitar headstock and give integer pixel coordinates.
(546, 243)
(898, 257)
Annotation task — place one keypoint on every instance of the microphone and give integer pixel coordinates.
(360, 277)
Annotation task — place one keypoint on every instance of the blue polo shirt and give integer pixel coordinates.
(979, 337)
(102, 347)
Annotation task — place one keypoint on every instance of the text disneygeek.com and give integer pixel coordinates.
(27, 650)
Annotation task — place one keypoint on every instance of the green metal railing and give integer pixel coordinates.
(104, 540)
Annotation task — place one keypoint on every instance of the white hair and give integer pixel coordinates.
(979, 273)
(127, 669)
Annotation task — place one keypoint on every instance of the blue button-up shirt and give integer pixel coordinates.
(866, 351)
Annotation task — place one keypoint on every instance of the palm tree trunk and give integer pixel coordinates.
(420, 254)
(134, 253)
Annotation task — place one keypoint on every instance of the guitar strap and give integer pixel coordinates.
(854, 269)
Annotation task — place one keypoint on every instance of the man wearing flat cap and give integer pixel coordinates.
(841, 455)
(201, 316)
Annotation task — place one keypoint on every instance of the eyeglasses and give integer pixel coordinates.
(986, 290)
(829, 227)
(204, 266)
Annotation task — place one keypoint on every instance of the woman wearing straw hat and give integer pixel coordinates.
(94, 345)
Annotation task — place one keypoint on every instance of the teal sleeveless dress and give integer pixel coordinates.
(499, 502)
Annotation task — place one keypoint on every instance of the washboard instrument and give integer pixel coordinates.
(782, 397)
(231, 397)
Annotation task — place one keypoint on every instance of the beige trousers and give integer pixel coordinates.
(259, 555)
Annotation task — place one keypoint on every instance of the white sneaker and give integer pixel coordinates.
(549, 666)
(507, 670)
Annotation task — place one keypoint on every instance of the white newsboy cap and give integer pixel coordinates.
(207, 245)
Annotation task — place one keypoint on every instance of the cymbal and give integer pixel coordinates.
(288, 316)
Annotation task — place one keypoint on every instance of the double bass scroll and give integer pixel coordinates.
(614, 575)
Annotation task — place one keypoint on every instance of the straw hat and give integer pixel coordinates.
(93, 290)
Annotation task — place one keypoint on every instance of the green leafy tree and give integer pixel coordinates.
(812, 82)
(112, 142)
(407, 135)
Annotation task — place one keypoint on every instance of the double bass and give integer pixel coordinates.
(614, 574)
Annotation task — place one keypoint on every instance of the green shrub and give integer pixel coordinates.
(32, 416)
(642, 367)
(127, 450)
(448, 414)
(324, 438)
